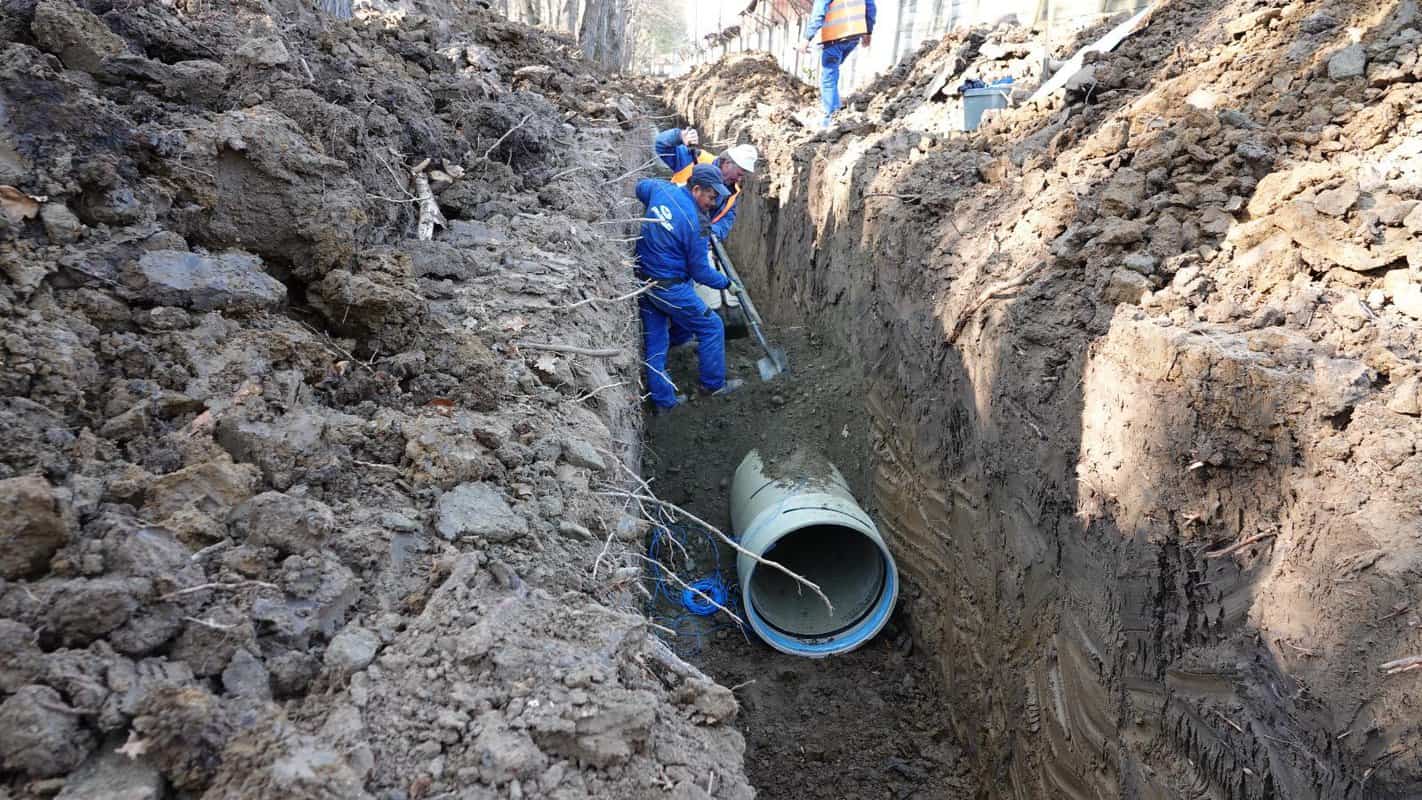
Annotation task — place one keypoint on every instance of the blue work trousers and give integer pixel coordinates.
(832, 55)
(679, 305)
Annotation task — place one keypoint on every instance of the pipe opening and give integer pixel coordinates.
(846, 564)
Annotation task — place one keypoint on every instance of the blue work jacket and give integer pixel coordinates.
(672, 246)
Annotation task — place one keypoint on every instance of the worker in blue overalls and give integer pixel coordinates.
(672, 252)
(840, 26)
(680, 149)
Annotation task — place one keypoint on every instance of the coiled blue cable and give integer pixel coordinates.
(704, 597)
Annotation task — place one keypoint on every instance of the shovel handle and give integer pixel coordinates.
(721, 256)
(752, 317)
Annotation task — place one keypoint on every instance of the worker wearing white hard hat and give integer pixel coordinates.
(679, 149)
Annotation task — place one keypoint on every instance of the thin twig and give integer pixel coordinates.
(506, 135)
(589, 395)
(648, 163)
(377, 466)
(210, 549)
(683, 584)
(662, 628)
(621, 221)
(606, 546)
(989, 294)
(204, 587)
(732, 543)
(646, 287)
(567, 348)
(565, 173)
(1240, 545)
(339, 350)
(207, 623)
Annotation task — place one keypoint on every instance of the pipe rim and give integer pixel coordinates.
(845, 639)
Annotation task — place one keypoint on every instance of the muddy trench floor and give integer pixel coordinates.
(867, 724)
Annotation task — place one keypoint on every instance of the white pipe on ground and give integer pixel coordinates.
(800, 513)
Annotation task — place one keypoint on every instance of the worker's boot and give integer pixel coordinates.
(661, 411)
(731, 385)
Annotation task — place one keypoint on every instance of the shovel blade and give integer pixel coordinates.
(773, 365)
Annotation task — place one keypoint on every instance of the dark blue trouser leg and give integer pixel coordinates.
(679, 306)
(832, 55)
(679, 335)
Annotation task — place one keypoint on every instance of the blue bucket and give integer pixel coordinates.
(976, 101)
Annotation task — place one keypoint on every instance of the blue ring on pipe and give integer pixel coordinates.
(836, 643)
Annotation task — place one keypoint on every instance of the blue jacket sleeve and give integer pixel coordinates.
(670, 150)
(722, 229)
(817, 18)
(698, 259)
(869, 14)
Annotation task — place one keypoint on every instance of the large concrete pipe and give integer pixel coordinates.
(799, 512)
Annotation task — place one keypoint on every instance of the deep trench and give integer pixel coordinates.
(871, 723)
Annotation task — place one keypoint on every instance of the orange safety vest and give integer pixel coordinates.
(684, 174)
(843, 19)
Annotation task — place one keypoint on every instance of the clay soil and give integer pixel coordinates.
(867, 724)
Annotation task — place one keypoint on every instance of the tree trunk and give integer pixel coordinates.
(600, 36)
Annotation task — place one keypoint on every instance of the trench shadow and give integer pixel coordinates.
(959, 406)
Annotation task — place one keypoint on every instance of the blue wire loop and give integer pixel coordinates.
(684, 610)
(703, 596)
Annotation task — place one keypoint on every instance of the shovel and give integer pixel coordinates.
(775, 361)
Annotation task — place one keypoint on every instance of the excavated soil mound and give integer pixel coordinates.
(1141, 368)
(301, 501)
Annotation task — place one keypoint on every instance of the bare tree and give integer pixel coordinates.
(602, 33)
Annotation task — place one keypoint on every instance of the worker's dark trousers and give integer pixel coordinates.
(679, 304)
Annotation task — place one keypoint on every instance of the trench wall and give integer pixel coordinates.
(1063, 477)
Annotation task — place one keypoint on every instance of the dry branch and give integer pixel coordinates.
(204, 587)
(506, 135)
(683, 584)
(732, 543)
(643, 289)
(593, 393)
(607, 352)
(648, 163)
(1240, 545)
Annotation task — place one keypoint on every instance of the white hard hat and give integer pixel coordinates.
(743, 156)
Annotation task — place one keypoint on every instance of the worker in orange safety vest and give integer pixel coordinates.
(678, 148)
(840, 26)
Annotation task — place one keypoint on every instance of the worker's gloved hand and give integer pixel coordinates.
(735, 287)
(864, 40)
(804, 46)
(690, 137)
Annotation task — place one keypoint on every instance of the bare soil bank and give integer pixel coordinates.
(297, 504)
(1141, 370)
